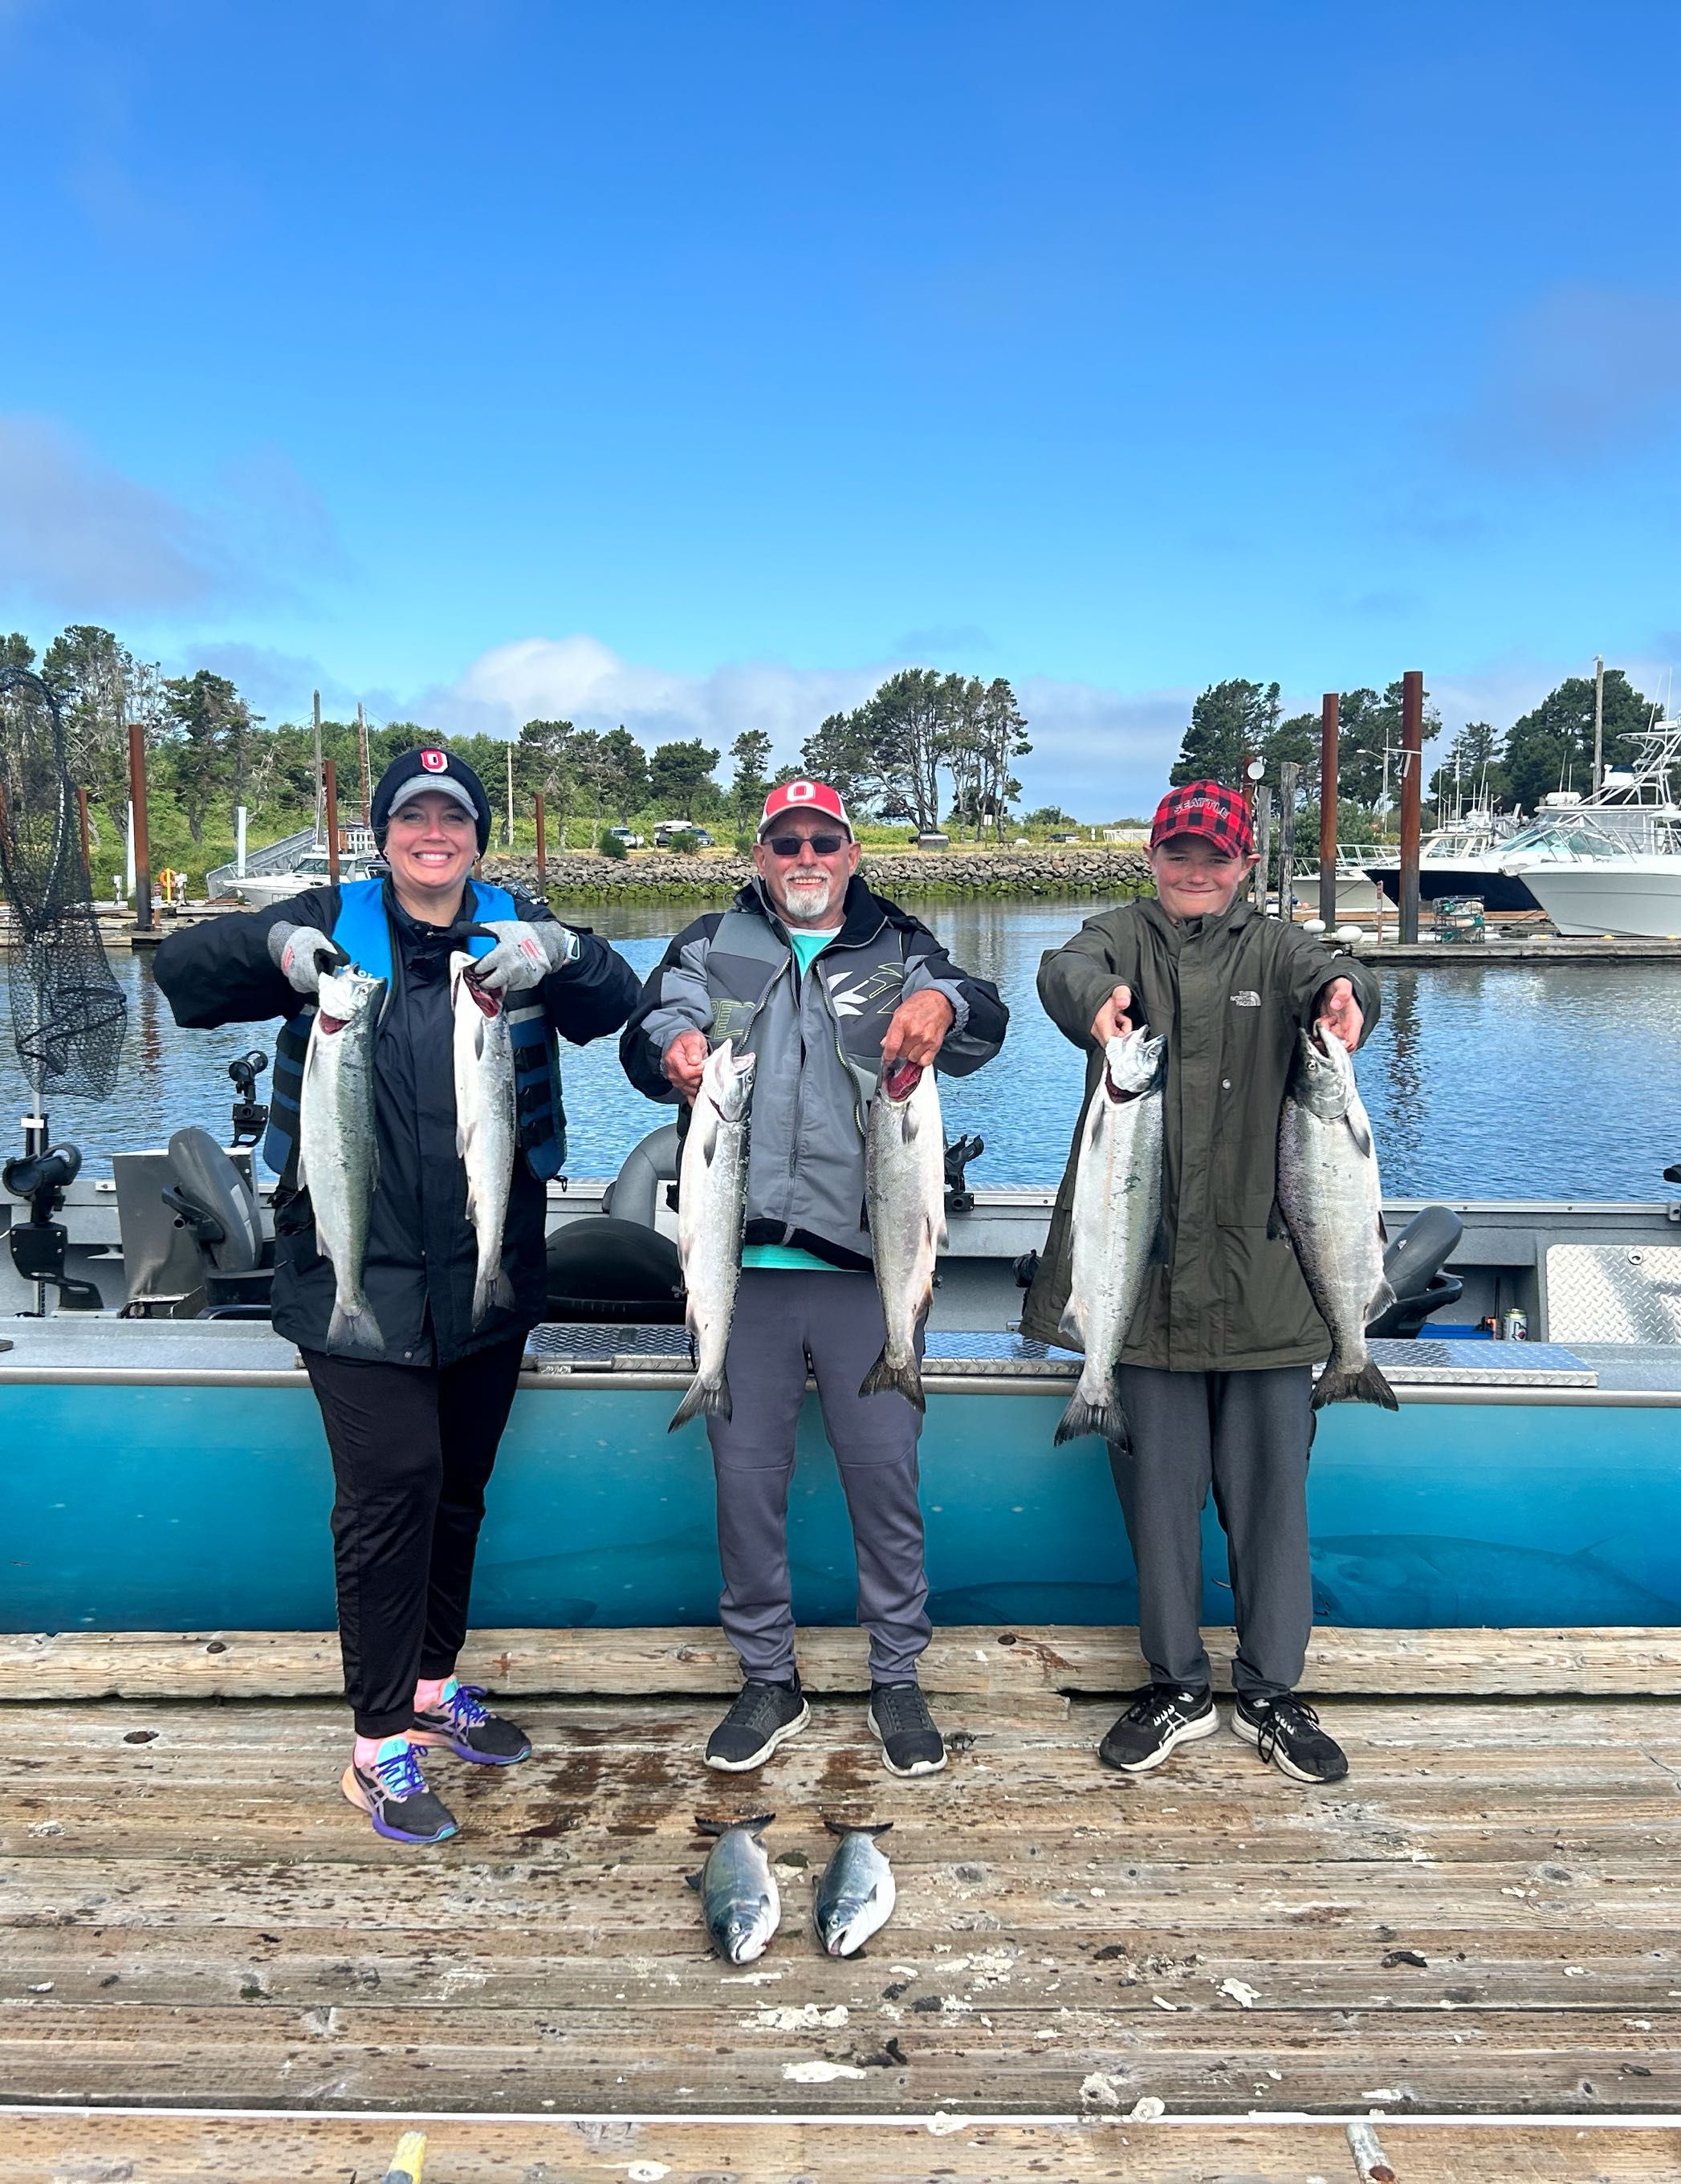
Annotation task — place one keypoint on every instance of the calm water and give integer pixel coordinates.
(1552, 1081)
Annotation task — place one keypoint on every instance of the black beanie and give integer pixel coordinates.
(430, 768)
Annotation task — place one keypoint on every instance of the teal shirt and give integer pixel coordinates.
(808, 947)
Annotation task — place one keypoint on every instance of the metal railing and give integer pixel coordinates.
(273, 857)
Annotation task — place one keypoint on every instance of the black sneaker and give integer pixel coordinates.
(462, 1723)
(1286, 1732)
(901, 1724)
(393, 1795)
(763, 1716)
(1161, 1718)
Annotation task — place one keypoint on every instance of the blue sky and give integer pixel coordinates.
(694, 366)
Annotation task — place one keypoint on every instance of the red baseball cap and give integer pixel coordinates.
(790, 796)
(1220, 815)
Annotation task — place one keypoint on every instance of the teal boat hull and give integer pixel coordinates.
(170, 1507)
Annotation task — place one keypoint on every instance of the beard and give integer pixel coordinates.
(810, 901)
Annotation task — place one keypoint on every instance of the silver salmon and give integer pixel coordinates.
(1116, 1225)
(486, 1129)
(1328, 1194)
(711, 1201)
(856, 1895)
(904, 1192)
(338, 1150)
(738, 1891)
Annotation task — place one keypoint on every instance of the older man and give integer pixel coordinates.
(827, 984)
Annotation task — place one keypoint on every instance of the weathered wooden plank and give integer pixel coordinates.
(360, 2056)
(983, 1661)
(158, 2149)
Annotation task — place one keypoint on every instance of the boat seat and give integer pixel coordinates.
(217, 1206)
(602, 1269)
(1412, 1266)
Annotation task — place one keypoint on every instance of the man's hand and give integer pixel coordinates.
(684, 1060)
(1338, 1008)
(524, 955)
(301, 953)
(918, 1029)
(1113, 1020)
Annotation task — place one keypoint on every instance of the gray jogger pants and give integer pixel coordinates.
(1246, 1433)
(783, 1319)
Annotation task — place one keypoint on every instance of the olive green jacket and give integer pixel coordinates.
(1231, 993)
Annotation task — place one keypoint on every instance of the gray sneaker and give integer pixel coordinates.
(763, 1716)
(901, 1724)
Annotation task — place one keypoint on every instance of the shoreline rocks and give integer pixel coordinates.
(951, 874)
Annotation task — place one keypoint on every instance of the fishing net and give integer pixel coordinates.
(68, 1014)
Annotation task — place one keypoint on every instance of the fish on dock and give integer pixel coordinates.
(486, 1128)
(856, 1895)
(1329, 1195)
(1116, 1225)
(738, 1891)
(905, 1193)
(338, 1150)
(711, 1201)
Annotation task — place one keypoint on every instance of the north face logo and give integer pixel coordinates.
(1246, 1001)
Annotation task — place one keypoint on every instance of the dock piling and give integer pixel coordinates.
(1412, 772)
(1329, 706)
(142, 848)
(330, 792)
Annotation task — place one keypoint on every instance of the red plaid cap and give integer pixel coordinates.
(791, 796)
(1220, 815)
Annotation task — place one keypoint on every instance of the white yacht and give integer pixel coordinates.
(310, 869)
(1609, 863)
(1628, 895)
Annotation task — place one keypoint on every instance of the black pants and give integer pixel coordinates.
(1246, 1435)
(412, 1449)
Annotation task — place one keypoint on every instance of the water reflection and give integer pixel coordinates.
(1535, 1082)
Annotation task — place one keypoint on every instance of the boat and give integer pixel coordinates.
(1463, 858)
(312, 869)
(202, 1484)
(1604, 889)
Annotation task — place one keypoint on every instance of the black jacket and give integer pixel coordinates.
(422, 1254)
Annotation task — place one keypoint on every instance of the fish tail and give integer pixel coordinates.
(883, 1378)
(492, 1288)
(1082, 1417)
(708, 1399)
(722, 1827)
(1339, 1385)
(354, 1331)
(858, 1827)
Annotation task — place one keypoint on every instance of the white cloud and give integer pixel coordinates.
(77, 534)
(1095, 750)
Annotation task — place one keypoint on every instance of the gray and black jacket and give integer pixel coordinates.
(731, 974)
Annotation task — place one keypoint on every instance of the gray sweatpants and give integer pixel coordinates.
(785, 1320)
(1246, 1433)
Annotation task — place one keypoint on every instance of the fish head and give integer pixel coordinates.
(1132, 1064)
(743, 1934)
(463, 983)
(848, 1926)
(1323, 1080)
(727, 1080)
(344, 995)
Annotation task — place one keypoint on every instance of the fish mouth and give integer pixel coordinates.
(902, 1079)
(330, 1024)
(488, 1003)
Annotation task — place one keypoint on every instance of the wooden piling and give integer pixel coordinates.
(1412, 772)
(542, 849)
(1329, 706)
(330, 788)
(142, 852)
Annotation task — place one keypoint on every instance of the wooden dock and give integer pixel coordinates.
(1551, 950)
(1482, 1923)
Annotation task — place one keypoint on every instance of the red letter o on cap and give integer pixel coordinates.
(434, 762)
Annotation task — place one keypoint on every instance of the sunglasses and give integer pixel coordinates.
(790, 845)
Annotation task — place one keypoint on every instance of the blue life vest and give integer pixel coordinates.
(363, 930)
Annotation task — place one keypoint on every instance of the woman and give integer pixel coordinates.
(414, 1430)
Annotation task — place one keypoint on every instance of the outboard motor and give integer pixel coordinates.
(1412, 1266)
(42, 1174)
(217, 1207)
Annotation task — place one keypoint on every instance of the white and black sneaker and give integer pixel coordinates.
(1161, 1718)
(1285, 1732)
(763, 1716)
(908, 1735)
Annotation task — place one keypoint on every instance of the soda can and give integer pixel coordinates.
(1516, 1326)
